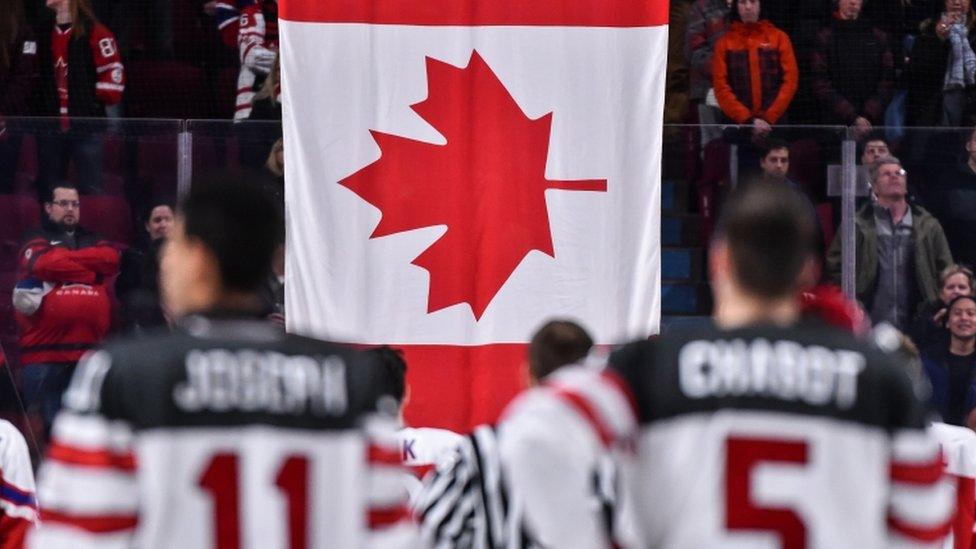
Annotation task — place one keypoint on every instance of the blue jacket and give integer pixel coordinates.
(933, 359)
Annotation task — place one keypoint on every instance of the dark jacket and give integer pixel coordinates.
(82, 77)
(953, 203)
(937, 371)
(137, 287)
(926, 333)
(925, 76)
(853, 72)
(707, 22)
(932, 254)
(18, 79)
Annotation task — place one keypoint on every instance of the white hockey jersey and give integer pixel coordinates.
(18, 506)
(231, 435)
(762, 437)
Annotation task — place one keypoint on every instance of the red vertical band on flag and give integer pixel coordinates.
(557, 13)
(457, 387)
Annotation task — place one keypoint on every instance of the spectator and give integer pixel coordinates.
(707, 22)
(775, 162)
(853, 70)
(62, 300)
(138, 284)
(18, 77)
(951, 368)
(900, 249)
(81, 75)
(754, 70)
(874, 148)
(257, 41)
(928, 328)
(267, 101)
(942, 66)
(774, 165)
(953, 202)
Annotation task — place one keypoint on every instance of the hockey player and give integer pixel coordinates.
(18, 506)
(419, 447)
(762, 430)
(229, 433)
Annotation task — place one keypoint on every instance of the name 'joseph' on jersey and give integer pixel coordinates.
(230, 434)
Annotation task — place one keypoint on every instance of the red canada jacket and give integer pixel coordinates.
(76, 315)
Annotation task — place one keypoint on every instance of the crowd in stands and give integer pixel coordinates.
(753, 73)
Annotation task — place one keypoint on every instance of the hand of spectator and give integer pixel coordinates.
(939, 315)
(861, 127)
(760, 128)
(210, 8)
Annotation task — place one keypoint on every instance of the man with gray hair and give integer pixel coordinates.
(900, 249)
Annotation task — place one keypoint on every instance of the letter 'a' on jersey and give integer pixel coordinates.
(230, 434)
(798, 437)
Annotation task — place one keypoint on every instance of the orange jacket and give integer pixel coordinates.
(754, 72)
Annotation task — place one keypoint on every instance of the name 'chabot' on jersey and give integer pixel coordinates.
(220, 380)
(782, 369)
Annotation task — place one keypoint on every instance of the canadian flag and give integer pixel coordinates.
(460, 171)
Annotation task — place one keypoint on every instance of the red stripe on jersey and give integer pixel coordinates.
(102, 459)
(242, 107)
(930, 534)
(924, 473)
(589, 413)
(614, 379)
(385, 456)
(96, 524)
(381, 518)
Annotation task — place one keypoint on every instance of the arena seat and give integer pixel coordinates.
(825, 213)
(109, 216)
(27, 163)
(166, 89)
(19, 213)
(225, 92)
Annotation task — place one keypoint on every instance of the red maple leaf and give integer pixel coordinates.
(486, 184)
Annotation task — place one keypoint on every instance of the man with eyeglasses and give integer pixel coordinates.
(62, 301)
(900, 249)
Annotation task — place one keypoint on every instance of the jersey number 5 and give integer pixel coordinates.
(221, 479)
(742, 455)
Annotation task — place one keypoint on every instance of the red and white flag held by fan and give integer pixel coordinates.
(458, 172)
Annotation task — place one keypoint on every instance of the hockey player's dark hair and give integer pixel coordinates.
(394, 366)
(234, 217)
(556, 344)
(771, 234)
